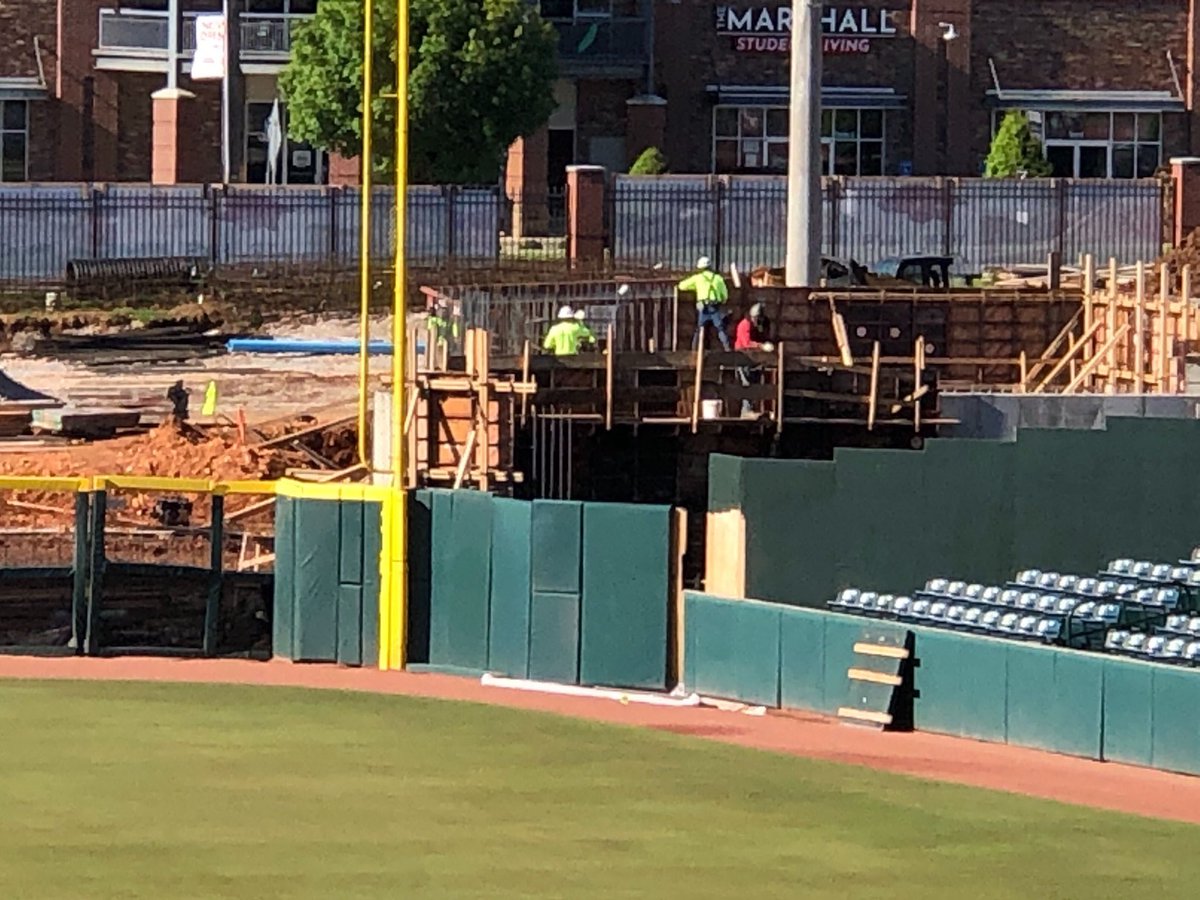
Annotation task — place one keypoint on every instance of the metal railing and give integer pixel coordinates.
(145, 32)
(670, 221)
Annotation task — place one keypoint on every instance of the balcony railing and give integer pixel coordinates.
(144, 33)
(602, 41)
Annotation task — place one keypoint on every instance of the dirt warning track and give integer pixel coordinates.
(1104, 785)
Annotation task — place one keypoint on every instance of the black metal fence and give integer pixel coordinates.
(668, 222)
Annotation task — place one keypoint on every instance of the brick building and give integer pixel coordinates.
(1111, 87)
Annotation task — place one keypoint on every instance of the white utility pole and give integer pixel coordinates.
(804, 148)
(173, 44)
(225, 148)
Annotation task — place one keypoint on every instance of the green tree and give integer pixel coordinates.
(481, 74)
(649, 162)
(1015, 150)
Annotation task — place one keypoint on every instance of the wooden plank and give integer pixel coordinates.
(1091, 364)
(875, 718)
(699, 383)
(1139, 330)
(780, 379)
(1161, 364)
(873, 402)
(675, 588)
(1065, 361)
(464, 460)
(881, 650)
(610, 353)
(525, 379)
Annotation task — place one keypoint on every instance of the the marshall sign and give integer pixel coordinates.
(768, 29)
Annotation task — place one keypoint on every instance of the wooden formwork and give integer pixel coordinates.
(1132, 336)
(461, 424)
(971, 338)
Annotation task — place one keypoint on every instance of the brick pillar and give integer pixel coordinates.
(585, 215)
(345, 171)
(175, 159)
(646, 125)
(936, 58)
(525, 182)
(1185, 170)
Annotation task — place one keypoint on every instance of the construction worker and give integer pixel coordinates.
(563, 337)
(711, 294)
(586, 338)
(441, 327)
(753, 332)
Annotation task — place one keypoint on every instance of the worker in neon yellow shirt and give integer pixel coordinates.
(563, 338)
(711, 294)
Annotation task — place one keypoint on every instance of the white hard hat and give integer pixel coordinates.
(704, 263)
(564, 312)
(580, 314)
(756, 310)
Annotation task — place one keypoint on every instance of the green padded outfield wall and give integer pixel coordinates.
(327, 581)
(1057, 499)
(1065, 701)
(550, 590)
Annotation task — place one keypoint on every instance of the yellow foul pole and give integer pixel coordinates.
(364, 238)
(399, 504)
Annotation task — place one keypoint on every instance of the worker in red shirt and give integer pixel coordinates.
(753, 333)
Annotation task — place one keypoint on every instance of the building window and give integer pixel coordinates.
(1098, 144)
(754, 139)
(297, 163)
(852, 141)
(14, 140)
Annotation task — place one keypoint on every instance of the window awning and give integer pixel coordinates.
(831, 96)
(1117, 101)
(22, 88)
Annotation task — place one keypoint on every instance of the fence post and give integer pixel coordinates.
(95, 572)
(451, 193)
(212, 603)
(214, 229)
(832, 190)
(79, 586)
(585, 215)
(948, 185)
(94, 213)
(718, 202)
(332, 193)
(1060, 203)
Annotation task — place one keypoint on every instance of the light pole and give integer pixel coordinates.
(803, 263)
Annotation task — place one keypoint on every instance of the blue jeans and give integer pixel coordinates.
(710, 315)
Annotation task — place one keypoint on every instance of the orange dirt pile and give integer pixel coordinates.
(168, 452)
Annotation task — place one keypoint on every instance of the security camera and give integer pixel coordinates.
(949, 32)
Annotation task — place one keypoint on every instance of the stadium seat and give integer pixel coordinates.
(1193, 578)
(1114, 639)
(971, 616)
(902, 606)
(1027, 625)
(883, 605)
(1141, 568)
(1175, 624)
(1120, 566)
(1107, 589)
(1086, 609)
(1107, 612)
(846, 599)
(990, 620)
(1167, 598)
(1065, 606)
(972, 592)
(990, 594)
(1028, 576)
(1154, 646)
(937, 585)
(1048, 580)
(1028, 600)
(1008, 622)
(1161, 572)
(1174, 649)
(1049, 630)
(1192, 652)
(867, 602)
(937, 611)
(1008, 597)
(1087, 586)
(1196, 554)
(919, 609)
(1193, 626)
(1067, 582)
(1134, 643)
(1047, 603)
(1181, 573)
(956, 589)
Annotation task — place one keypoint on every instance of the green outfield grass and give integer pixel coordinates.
(165, 791)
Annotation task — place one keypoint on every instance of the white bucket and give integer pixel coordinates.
(710, 409)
